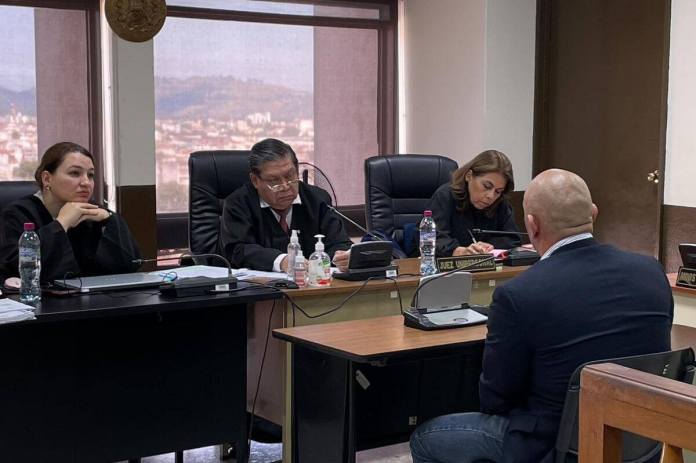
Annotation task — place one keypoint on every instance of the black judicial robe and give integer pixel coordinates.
(251, 236)
(453, 226)
(91, 248)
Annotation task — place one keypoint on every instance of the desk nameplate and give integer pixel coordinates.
(686, 277)
(474, 262)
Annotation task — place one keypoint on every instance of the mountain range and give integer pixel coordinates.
(222, 97)
(226, 97)
(24, 101)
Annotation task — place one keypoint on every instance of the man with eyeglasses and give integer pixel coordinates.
(257, 217)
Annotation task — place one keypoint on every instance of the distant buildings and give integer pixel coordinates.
(18, 146)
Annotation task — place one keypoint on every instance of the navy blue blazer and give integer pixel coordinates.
(585, 302)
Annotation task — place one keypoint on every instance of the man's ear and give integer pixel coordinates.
(532, 225)
(254, 180)
(595, 212)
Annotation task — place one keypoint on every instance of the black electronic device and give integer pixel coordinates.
(688, 255)
(518, 257)
(396, 253)
(197, 286)
(282, 283)
(369, 259)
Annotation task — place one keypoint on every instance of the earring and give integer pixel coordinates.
(48, 187)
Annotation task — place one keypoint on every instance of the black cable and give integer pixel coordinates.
(258, 381)
(398, 292)
(326, 177)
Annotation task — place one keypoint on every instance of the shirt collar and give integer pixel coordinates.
(567, 240)
(264, 204)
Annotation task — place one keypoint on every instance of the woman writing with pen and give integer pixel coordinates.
(476, 198)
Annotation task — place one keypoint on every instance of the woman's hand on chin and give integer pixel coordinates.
(72, 214)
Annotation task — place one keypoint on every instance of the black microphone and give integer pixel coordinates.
(478, 231)
(181, 257)
(396, 253)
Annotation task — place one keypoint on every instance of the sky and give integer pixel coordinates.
(276, 54)
(272, 53)
(17, 48)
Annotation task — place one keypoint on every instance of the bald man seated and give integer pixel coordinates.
(582, 301)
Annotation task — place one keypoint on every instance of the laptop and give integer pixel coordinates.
(443, 302)
(112, 282)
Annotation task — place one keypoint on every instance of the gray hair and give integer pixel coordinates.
(267, 150)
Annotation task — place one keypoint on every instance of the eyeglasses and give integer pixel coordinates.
(276, 187)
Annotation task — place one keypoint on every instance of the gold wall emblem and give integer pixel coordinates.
(136, 20)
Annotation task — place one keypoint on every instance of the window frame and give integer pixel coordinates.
(175, 224)
(94, 104)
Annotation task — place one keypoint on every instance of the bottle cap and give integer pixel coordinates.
(427, 213)
(29, 226)
(320, 245)
(299, 259)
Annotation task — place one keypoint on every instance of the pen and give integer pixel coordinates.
(473, 238)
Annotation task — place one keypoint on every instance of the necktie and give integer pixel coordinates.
(283, 220)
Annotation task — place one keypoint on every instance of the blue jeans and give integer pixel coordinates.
(460, 438)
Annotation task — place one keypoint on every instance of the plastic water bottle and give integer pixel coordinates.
(300, 271)
(428, 235)
(293, 250)
(29, 266)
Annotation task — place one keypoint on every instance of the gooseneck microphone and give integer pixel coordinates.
(414, 299)
(497, 232)
(185, 255)
(396, 253)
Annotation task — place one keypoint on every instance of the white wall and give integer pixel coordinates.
(132, 94)
(510, 61)
(444, 45)
(680, 160)
(469, 78)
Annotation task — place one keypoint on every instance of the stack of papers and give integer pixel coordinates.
(12, 311)
(215, 272)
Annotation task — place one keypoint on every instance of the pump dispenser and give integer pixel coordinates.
(319, 265)
(293, 251)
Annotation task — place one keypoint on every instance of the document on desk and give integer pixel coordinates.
(12, 311)
(215, 272)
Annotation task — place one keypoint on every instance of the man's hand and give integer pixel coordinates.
(341, 259)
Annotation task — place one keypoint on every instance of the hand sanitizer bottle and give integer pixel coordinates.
(319, 265)
(293, 250)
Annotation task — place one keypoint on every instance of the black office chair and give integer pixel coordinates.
(213, 175)
(11, 191)
(398, 188)
(677, 365)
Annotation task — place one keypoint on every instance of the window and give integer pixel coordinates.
(45, 83)
(317, 77)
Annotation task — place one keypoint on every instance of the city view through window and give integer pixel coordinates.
(226, 85)
(18, 130)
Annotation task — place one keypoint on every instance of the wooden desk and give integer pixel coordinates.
(614, 398)
(115, 376)
(684, 302)
(377, 299)
(327, 403)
